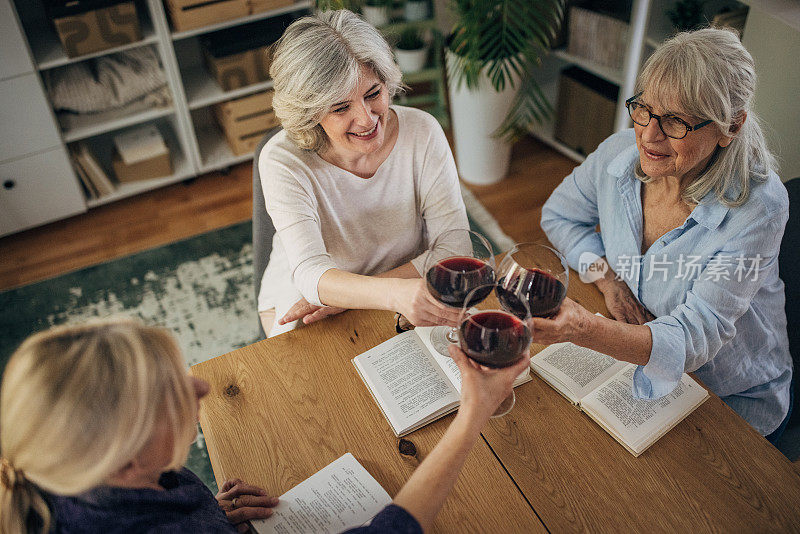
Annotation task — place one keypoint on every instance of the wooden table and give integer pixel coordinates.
(281, 409)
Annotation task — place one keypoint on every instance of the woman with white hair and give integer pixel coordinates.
(97, 421)
(691, 216)
(356, 188)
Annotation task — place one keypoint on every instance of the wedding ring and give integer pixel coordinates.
(234, 504)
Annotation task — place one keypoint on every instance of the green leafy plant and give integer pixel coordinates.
(410, 39)
(507, 38)
(378, 3)
(686, 14)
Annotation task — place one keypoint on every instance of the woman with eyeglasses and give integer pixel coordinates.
(356, 188)
(691, 214)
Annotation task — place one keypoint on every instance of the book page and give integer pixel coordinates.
(577, 369)
(341, 495)
(405, 380)
(445, 362)
(449, 366)
(639, 422)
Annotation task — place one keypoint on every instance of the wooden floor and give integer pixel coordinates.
(217, 200)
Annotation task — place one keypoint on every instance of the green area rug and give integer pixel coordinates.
(200, 288)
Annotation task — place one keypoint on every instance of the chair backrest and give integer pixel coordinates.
(789, 265)
(263, 229)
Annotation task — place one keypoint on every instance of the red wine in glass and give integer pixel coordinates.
(452, 279)
(543, 292)
(494, 338)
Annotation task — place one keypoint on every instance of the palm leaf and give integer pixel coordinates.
(506, 39)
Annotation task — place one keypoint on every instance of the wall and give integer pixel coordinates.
(775, 46)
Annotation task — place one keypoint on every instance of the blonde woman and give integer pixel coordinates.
(691, 215)
(357, 188)
(97, 421)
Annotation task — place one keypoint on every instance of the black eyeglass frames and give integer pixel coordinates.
(672, 127)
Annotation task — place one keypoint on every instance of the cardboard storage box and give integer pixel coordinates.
(241, 69)
(87, 26)
(256, 6)
(241, 56)
(140, 154)
(189, 14)
(585, 111)
(245, 120)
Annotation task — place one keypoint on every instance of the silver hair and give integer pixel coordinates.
(709, 74)
(317, 63)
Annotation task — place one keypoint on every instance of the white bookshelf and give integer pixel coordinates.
(196, 143)
(49, 52)
(649, 26)
(202, 90)
(85, 126)
(304, 4)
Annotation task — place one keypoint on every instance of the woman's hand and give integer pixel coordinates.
(242, 502)
(482, 388)
(572, 323)
(621, 302)
(412, 299)
(309, 313)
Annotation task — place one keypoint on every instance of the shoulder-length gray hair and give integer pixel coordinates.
(709, 74)
(317, 63)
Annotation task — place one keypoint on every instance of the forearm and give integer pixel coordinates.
(627, 342)
(425, 492)
(407, 270)
(355, 291)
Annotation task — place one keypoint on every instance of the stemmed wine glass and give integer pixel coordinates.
(494, 336)
(533, 274)
(458, 261)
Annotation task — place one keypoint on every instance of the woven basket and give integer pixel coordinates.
(599, 38)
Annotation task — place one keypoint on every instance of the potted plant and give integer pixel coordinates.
(415, 10)
(411, 51)
(376, 12)
(493, 49)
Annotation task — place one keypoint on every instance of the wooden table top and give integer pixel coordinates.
(282, 409)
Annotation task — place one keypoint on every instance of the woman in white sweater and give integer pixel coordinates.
(357, 189)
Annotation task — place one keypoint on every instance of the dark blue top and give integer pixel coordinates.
(185, 505)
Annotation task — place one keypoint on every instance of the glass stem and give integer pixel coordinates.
(452, 335)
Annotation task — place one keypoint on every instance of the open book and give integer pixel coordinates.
(340, 496)
(602, 388)
(412, 383)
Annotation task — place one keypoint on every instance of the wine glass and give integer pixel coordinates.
(458, 261)
(493, 336)
(534, 274)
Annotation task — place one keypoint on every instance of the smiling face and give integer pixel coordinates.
(357, 125)
(684, 159)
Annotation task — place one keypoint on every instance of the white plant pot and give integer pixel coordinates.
(476, 114)
(415, 10)
(376, 15)
(411, 60)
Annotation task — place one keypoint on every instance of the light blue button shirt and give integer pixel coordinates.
(712, 283)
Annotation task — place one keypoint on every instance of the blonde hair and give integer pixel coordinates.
(80, 402)
(316, 63)
(709, 74)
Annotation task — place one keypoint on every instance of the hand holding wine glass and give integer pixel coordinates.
(493, 336)
(415, 303)
(458, 261)
(536, 275)
(483, 389)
